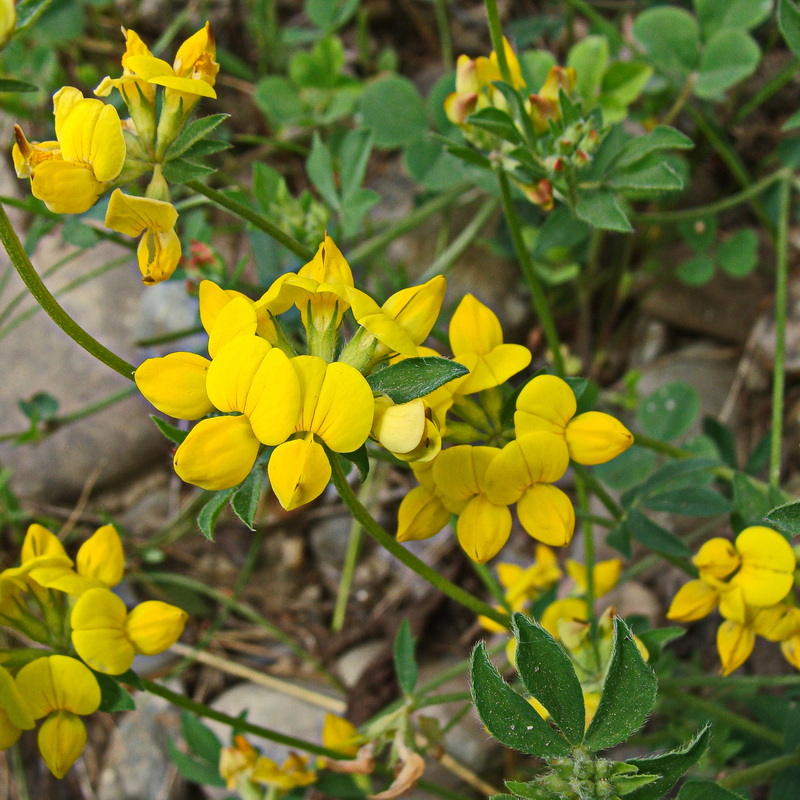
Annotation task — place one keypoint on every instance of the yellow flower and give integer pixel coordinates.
(341, 735)
(694, 600)
(547, 403)
(15, 716)
(407, 430)
(237, 762)
(460, 475)
(523, 473)
(107, 637)
(545, 106)
(336, 408)
(605, 574)
(71, 174)
(421, 515)
(292, 773)
(8, 20)
(61, 689)
(159, 250)
(476, 340)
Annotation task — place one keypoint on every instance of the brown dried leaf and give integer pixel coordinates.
(412, 765)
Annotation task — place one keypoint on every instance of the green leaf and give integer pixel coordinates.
(629, 692)
(330, 14)
(751, 499)
(696, 271)
(625, 471)
(28, 11)
(414, 377)
(548, 675)
(113, 697)
(786, 517)
(601, 209)
(622, 84)
(393, 109)
(209, 513)
(405, 662)
(792, 122)
(496, 122)
(731, 55)
(589, 57)
(714, 15)
(354, 155)
(529, 791)
(508, 716)
(182, 170)
(360, 459)
(470, 156)
(320, 67)
(194, 769)
(202, 741)
(738, 255)
(656, 638)
(131, 679)
(669, 766)
(39, 408)
(695, 501)
(649, 175)
(193, 133)
(670, 411)
(10, 85)
(722, 436)
(319, 167)
(705, 790)
(789, 24)
(671, 38)
(278, 99)
(656, 538)
(354, 207)
(173, 433)
(699, 233)
(245, 498)
(673, 472)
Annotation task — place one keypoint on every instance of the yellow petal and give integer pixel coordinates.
(40, 542)
(595, 438)
(61, 739)
(460, 473)
(420, 516)
(15, 709)
(768, 562)
(147, 66)
(734, 643)
(791, 650)
(694, 600)
(193, 86)
(474, 328)
(237, 318)
(199, 43)
(218, 453)
(154, 626)
(717, 558)
(416, 308)
(58, 683)
(493, 368)
(328, 265)
(90, 132)
(381, 325)
(546, 403)
(298, 471)
(273, 402)
(483, 528)
(212, 299)
(66, 187)
(231, 373)
(98, 631)
(131, 215)
(547, 514)
(538, 457)
(101, 556)
(9, 732)
(398, 427)
(340, 734)
(176, 384)
(568, 608)
(158, 255)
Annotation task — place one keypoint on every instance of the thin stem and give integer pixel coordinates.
(490, 582)
(538, 296)
(254, 218)
(716, 207)
(19, 258)
(237, 723)
(599, 21)
(445, 260)
(725, 715)
(496, 32)
(388, 542)
(731, 682)
(760, 773)
(591, 481)
(786, 74)
(588, 551)
(781, 303)
(458, 195)
(443, 24)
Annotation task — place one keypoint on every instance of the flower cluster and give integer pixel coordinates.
(561, 144)
(68, 608)
(94, 151)
(751, 581)
(478, 482)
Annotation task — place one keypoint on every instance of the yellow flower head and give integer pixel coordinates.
(547, 403)
(421, 515)
(61, 689)
(292, 773)
(408, 430)
(71, 174)
(476, 340)
(159, 250)
(545, 106)
(8, 20)
(605, 573)
(15, 716)
(237, 761)
(341, 735)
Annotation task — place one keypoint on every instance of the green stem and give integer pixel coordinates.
(724, 715)
(254, 218)
(443, 24)
(166, 338)
(453, 251)
(599, 21)
(538, 296)
(458, 195)
(237, 723)
(490, 582)
(388, 542)
(786, 74)
(19, 258)
(658, 217)
(441, 699)
(496, 32)
(237, 607)
(760, 773)
(781, 303)
(731, 682)
(591, 481)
